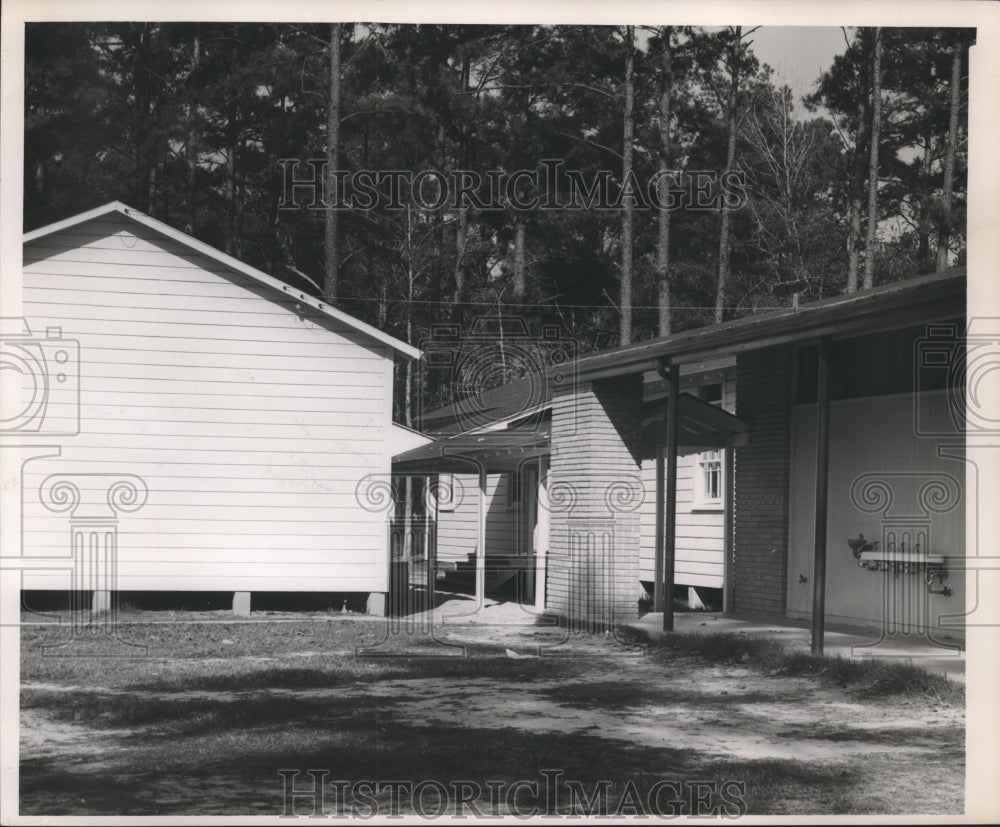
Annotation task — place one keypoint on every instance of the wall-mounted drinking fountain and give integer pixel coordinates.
(901, 560)
(860, 544)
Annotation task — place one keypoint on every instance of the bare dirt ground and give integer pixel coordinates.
(203, 722)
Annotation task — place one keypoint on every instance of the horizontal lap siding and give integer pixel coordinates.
(592, 570)
(251, 426)
(699, 544)
(458, 528)
(699, 551)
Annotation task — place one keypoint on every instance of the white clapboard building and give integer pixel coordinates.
(211, 428)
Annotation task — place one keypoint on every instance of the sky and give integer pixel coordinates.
(798, 54)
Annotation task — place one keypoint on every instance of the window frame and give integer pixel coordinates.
(713, 461)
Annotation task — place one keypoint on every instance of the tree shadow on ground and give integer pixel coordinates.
(245, 780)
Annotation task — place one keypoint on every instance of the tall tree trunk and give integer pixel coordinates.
(663, 225)
(331, 251)
(923, 226)
(449, 240)
(876, 131)
(520, 275)
(230, 245)
(462, 226)
(626, 274)
(734, 88)
(857, 185)
(411, 277)
(944, 230)
(191, 150)
(461, 236)
(854, 234)
(144, 163)
(241, 198)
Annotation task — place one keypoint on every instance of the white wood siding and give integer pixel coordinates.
(251, 426)
(700, 531)
(458, 529)
(699, 550)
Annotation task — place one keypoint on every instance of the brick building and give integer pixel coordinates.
(847, 425)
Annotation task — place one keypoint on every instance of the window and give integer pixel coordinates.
(513, 490)
(709, 481)
(709, 473)
(712, 394)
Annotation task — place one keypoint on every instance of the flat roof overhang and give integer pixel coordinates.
(701, 427)
(925, 299)
(495, 451)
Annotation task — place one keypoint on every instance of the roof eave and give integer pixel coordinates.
(227, 260)
(913, 303)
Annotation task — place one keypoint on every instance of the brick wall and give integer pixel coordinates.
(760, 533)
(594, 496)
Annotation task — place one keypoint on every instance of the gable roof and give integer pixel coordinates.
(513, 400)
(210, 252)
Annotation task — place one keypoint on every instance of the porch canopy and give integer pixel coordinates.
(482, 452)
(493, 451)
(701, 427)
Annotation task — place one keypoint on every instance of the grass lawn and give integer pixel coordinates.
(205, 721)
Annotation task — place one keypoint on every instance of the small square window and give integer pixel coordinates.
(709, 479)
(712, 394)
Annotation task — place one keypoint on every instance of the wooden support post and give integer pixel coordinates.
(481, 545)
(822, 468)
(660, 496)
(542, 547)
(670, 517)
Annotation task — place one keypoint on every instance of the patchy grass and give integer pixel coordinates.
(203, 723)
(872, 679)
